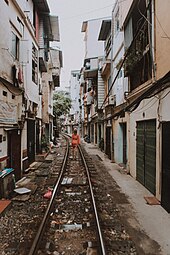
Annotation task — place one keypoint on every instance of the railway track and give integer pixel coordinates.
(71, 223)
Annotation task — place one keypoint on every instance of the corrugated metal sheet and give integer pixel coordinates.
(150, 156)
(101, 91)
(41, 37)
(140, 153)
(146, 154)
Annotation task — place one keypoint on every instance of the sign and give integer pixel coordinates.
(8, 112)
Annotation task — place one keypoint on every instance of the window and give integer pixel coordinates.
(4, 93)
(34, 64)
(15, 46)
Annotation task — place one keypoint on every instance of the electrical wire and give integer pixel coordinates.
(143, 108)
(94, 10)
(168, 37)
(143, 14)
(121, 65)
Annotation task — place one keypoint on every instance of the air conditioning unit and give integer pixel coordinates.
(112, 100)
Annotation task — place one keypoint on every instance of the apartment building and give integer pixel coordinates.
(24, 51)
(93, 84)
(134, 114)
(146, 31)
(74, 91)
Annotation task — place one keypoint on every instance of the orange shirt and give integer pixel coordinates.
(75, 139)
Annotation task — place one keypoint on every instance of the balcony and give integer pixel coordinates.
(138, 64)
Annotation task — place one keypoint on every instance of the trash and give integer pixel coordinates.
(22, 190)
(71, 226)
(48, 194)
(152, 200)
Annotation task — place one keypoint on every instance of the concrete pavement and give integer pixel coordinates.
(153, 219)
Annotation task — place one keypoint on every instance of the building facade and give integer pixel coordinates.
(134, 112)
(24, 54)
(92, 82)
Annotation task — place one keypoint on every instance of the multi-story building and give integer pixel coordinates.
(147, 68)
(93, 83)
(74, 90)
(105, 110)
(24, 51)
(136, 99)
(50, 81)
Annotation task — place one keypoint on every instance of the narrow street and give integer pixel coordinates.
(96, 71)
(121, 196)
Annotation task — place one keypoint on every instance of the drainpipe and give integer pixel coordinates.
(111, 73)
(151, 35)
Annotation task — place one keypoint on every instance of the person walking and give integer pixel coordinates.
(75, 141)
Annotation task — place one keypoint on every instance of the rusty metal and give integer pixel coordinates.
(36, 242)
(103, 252)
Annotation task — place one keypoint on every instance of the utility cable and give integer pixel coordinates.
(94, 10)
(124, 58)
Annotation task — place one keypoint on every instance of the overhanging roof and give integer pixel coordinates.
(42, 5)
(90, 73)
(105, 29)
(52, 27)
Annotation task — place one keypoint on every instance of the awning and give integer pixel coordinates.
(42, 5)
(106, 67)
(10, 128)
(90, 73)
(51, 25)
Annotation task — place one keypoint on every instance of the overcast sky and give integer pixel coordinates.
(71, 14)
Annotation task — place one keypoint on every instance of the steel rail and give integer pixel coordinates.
(94, 204)
(37, 239)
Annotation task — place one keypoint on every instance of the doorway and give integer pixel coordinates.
(146, 154)
(14, 152)
(124, 142)
(108, 142)
(165, 192)
(31, 140)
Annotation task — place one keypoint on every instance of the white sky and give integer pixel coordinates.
(71, 15)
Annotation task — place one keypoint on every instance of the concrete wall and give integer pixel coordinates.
(161, 38)
(75, 91)
(118, 139)
(150, 109)
(93, 46)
